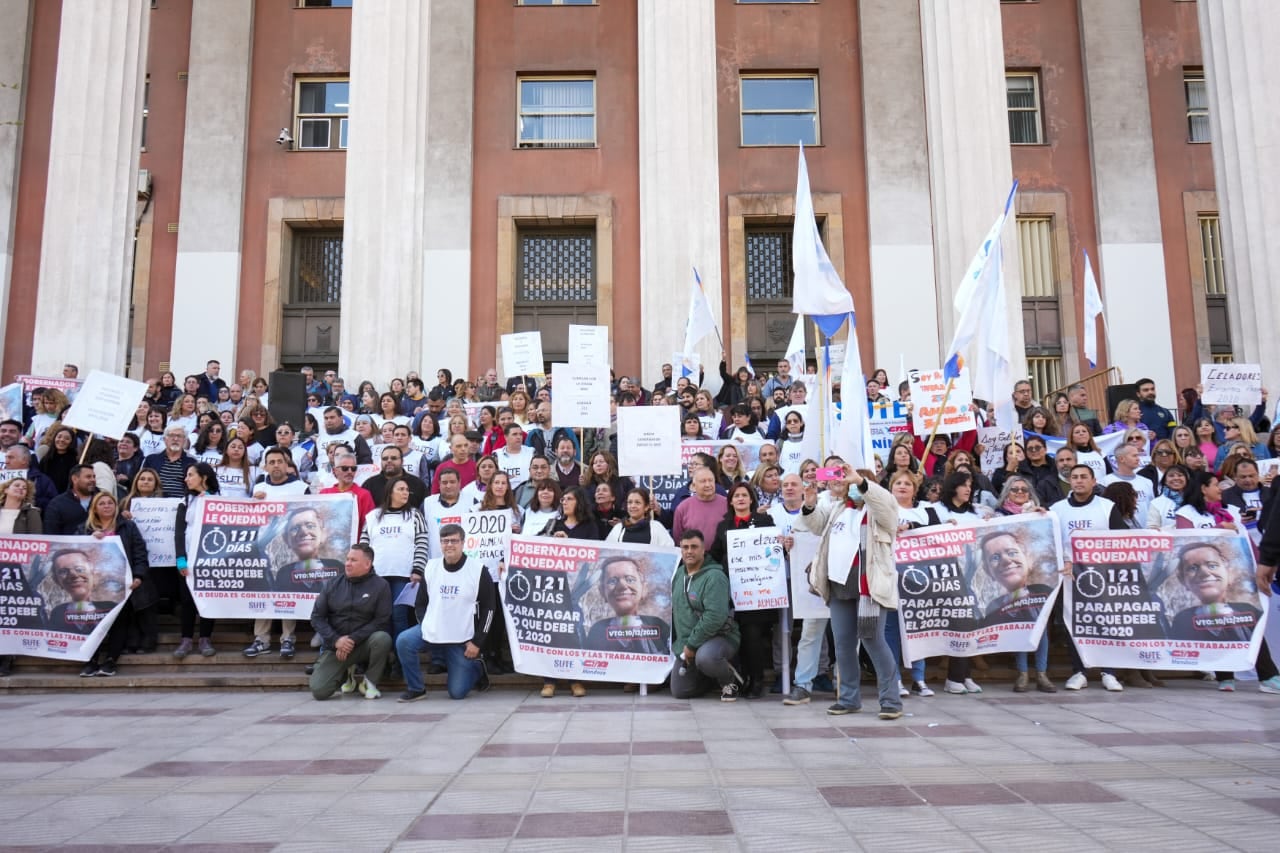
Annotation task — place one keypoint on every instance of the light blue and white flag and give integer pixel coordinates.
(818, 290)
(1092, 311)
(701, 321)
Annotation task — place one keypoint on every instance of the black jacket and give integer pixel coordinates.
(1045, 481)
(65, 515)
(352, 607)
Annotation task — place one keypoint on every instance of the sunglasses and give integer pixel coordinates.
(345, 468)
(1164, 453)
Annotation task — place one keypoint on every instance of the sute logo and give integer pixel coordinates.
(30, 643)
(257, 605)
(562, 664)
(1149, 657)
(958, 645)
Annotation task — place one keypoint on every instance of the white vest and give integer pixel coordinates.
(451, 602)
(391, 537)
(515, 467)
(1095, 515)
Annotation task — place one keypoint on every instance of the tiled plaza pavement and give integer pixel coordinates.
(1183, 768)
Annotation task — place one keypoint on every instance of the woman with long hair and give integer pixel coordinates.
(1081, 441)
(1041, 420)
(691, 429)
(731, 470)
(61, 456)
(519, 403)
(901, 460)
(640, 526)
(602, 467)
(201, 480)
(905, 486)
(500, 495)
(389, 410)
(398, 534)
(486, 468)
(1013, 457)
(576, 521)
(1206, 437)
(236, 475)
(792, 450)
(543, 509)
(1238, 430)
(211, 443)
(19, 516)
(1183, 437)
(743, 513)
(184, 412)
(105, 519)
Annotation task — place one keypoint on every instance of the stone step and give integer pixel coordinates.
(243, 678)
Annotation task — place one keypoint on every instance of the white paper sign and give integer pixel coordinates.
(804, 603)
(105, 404)
(687, 364)
(885, 421)
(156, 518)
(757, 569)
(488, 534)
(994, 440)
(928, 387)
(1231, 384)
(522, 354)
(581, 397)
(588, 345)
(837, 359)
(648, 440)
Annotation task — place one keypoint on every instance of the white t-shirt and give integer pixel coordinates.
(284, 490)
(516, 467)
(149, 442)
(231, 481)
(438, 515)
(391, 535)
(1095, 515)
(1161, 514)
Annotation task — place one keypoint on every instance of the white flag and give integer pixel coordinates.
(701, 321)
(851, 434)
(818, 290)
(795, 349)
(1092, 311)
(984, 311)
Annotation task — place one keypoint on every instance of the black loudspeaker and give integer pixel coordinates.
(1116, 393)
(287, 397)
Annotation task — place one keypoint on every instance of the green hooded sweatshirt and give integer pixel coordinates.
(700, 607)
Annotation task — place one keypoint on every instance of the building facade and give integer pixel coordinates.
(393, 185)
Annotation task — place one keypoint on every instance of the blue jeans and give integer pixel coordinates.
(1042, 655)
(400, 614)
(844, 625)
(893, 636)
(809, 652)
(463, 672)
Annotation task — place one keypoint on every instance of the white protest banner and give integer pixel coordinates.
(836, 354)
(978, 589)
(886, 421)
(1170, 599)
(1268, 467)
(805, 604)
(473, 412)
(269, 558)
(522, 354)
(60, 594)
(994, 440)
(581, 397)
(648, 441)
(928, 387)
(588, 345)
(1231, 384)
(7, 474)
(757, 569)
(488, 532)
(105, 404)
(67, 386)
(155, 518)
(11, 402)
(589, 611)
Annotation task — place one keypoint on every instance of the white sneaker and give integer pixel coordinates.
(971, 686)
(902, 691)
(1077, 682)
(953, 687)
(349, 686)
(1271, 685)
(369, 689)
(1110, 682)
(922, 689)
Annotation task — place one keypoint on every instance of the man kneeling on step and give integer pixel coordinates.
(456, 604)
(352, 615)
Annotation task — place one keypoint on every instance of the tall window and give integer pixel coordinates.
(311, 311)
(555, 285)
(780, 109)
(1023, 93)
(1197, 105)
(770, 284)
(1215, 288)
(322, 114)
(1041, 320)
(556, 112)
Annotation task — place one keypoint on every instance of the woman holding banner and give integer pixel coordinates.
(576, 522)
(398, 533)
(904, 485)
(955, 506)
(105, 520)
(754, 625)
(200, 480)
(1019, 496)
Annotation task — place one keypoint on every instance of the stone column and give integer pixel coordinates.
(406, 283)
(1130, 243)
(1239, 40)
(970, 170)
(86, 253)
(679, 178)
(206, 285)
(897, 156)
(13, 86)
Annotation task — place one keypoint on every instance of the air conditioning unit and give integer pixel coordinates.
(144, 182)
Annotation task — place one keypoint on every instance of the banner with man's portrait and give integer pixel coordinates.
(589, 611)
(59, 595)
(977, 589)
(259, 559)
(1173, 599)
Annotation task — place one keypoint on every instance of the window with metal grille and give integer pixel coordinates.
(1197, 105)
(321, 115)
(317, 268)
(770, 281)
(1041, 308)
(556, 112)
(1023, 95)
(779, 109)
(1215, 285)
(555, 285)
